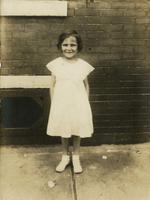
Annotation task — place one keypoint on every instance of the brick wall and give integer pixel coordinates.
(116, 36)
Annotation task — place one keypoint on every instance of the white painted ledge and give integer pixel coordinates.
(25, 81)
(33, 8)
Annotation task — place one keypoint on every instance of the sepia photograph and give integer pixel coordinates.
(75, 100)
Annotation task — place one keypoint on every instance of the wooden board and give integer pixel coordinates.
(33, 8)
(25, 81)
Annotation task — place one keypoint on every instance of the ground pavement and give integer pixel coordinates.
(111, 172)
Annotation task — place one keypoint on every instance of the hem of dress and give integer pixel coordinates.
(70, 136)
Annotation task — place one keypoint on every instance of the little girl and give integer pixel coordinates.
(70, 113)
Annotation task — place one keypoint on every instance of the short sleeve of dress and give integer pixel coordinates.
(52, 65)
(87, 69)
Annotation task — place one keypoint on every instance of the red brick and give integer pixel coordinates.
(99, 5)
(88, 20)
(123, 49)
(142, 5)
(100, 49)
(134, 42)
(87, 12)
(143, 20)
(116, 27)
(12, 27)
(90, 27)
(76, 4)
(123, 20)
(142, 35)
(95, 35)
(120, 35)
(111, 12)
(139, 50)
(98, 20)
(47, 50)
(134, 56)
(31, 35)
(37, 26)
(56, 28)
(93, 59)
(91, 42)
(135, 27)
(111, 42)
(127, 5)
(135, 12)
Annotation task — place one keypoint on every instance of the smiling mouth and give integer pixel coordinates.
(70, 53)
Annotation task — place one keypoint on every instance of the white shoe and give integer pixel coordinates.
(63, 163)
(77, 168)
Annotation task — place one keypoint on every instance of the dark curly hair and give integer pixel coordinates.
(67, 34)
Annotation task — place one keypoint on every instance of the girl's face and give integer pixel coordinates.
(69, 47)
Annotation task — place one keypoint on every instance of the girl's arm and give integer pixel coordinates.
(87, 86)
(53, 81)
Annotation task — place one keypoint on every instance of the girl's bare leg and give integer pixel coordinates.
(65, 145)
(76, 145)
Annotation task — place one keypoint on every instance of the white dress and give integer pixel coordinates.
(70, 112)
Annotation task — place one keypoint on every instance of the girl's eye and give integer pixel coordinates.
(72, 45)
